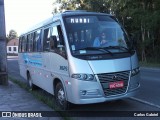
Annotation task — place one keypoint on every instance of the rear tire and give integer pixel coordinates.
(30, 82)
(60, 97)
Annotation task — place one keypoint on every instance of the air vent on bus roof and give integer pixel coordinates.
(75, 11)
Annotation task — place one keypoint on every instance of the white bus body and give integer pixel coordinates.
(58, 55)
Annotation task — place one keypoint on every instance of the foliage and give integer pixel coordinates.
(12, 35)
(141, 18)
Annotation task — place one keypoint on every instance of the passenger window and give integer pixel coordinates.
(28, 38)
(30, 42)
(24, 44)
(37, 41)
(57, 41)
(46, 39)
(20, 44)
(54, 39)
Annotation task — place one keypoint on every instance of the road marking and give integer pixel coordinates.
(145, 102)
(12, 59)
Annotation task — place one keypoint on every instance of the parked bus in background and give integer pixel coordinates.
(67, 57)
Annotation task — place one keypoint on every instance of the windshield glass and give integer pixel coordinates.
(91, 34)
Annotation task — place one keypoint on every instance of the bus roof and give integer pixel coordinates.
(81, 12)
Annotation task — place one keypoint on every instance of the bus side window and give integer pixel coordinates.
(24, 44)
(34, 43)
(58, 45)
(46, 39)
(54, 38)
(60, 34)
(37, 41)
(30, 42)
(20, 44)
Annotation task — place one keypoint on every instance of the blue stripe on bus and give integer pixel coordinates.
(27, 60)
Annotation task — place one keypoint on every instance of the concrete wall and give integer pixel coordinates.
(3, 52)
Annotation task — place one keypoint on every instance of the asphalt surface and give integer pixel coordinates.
(150, 86)
(148, 98)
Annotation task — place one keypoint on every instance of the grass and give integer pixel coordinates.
(149, 64)
(42, 96)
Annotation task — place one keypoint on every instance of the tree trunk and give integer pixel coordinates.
(143, 43)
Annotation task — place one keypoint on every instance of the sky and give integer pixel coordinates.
(23, 14)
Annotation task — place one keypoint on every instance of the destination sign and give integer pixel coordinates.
(84, 20)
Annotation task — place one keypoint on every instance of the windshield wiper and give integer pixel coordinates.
(96, 48)
(118, 47)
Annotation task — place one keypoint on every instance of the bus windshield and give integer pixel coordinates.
(98, 34)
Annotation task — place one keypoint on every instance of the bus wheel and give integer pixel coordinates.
(61, 97)
(30, 84)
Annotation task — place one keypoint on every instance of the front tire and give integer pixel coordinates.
(60, 96)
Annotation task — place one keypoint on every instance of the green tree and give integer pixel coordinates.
(139, 17)
(62, 5)
(144, 24)
(95, 5)
(12, 35)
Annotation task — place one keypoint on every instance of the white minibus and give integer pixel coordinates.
(80, 57)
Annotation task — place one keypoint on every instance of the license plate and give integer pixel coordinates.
(118, 84)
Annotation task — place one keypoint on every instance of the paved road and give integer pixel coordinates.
(150, 86)
(147, 99)
(13, 68)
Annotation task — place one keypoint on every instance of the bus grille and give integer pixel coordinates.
(106, 78)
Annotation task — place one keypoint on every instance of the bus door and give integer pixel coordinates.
(59, 63)
(55, 60)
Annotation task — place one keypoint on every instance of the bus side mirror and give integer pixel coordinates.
(53, 42)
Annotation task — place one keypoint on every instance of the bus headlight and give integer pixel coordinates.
(87, 77)
(135, 71)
